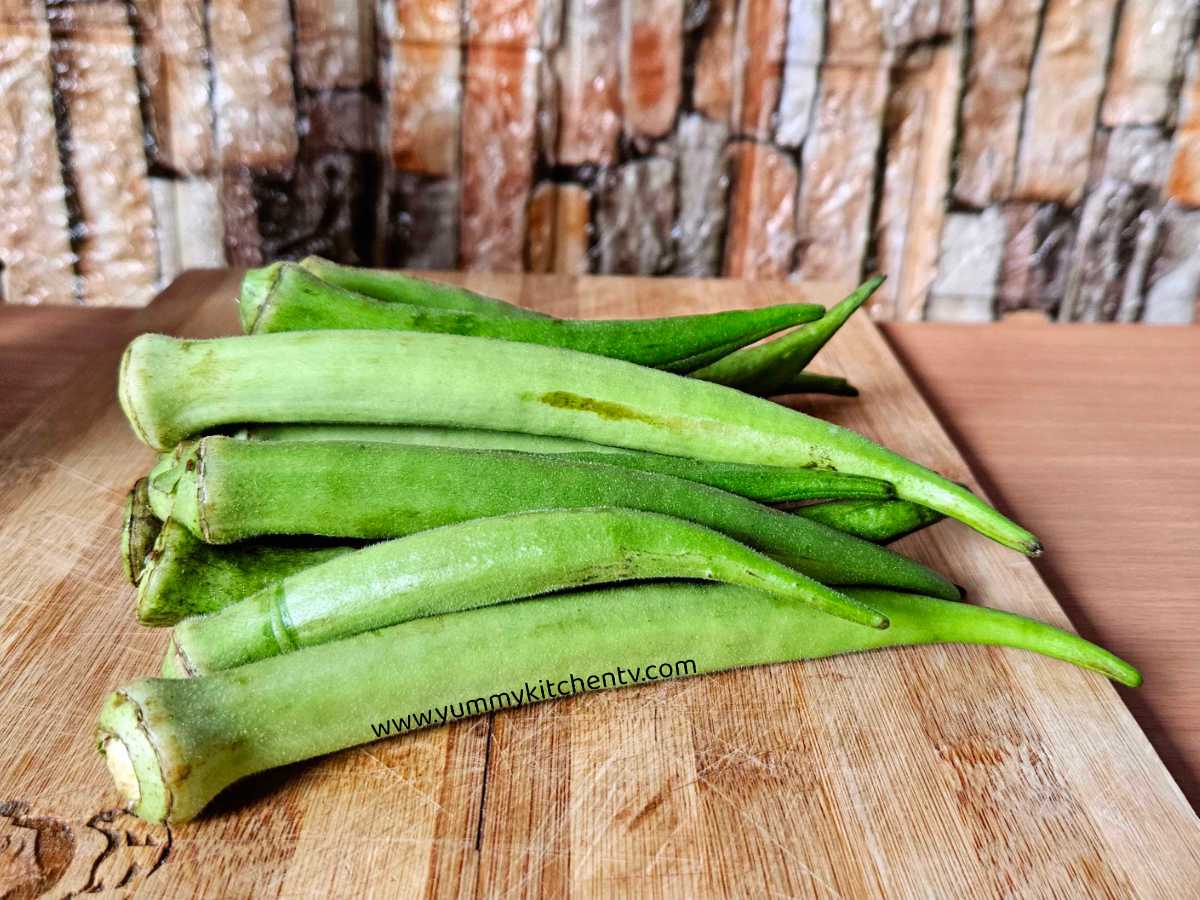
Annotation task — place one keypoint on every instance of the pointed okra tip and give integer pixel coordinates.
(257, 285)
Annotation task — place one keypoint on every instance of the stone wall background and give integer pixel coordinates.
(990, 155)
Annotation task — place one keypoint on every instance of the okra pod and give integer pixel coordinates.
(283, 297)
(482, 562)
(227, 490)
(172, 744)
(396, 287)
(767, 484)
(171, 389)
(183, 576)
(881, 521)
(767, 369)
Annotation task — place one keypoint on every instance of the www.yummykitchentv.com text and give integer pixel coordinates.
(546, 689)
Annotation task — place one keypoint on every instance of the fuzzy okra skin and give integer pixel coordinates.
(172, 389)
(183, 576)
(766, 484)
(881, 521)
(173, 744)
(396, 287)
(227, 490)
(283, 297)
(773, 368)
(482, 562)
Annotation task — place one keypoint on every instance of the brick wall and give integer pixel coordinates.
(991, 156)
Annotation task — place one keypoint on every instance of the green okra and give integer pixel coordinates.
(771, 368)
(481, 562)
(881, 521)
(227, 490)
(767, 484)
(171, 744)
(183, 576)
(171, 389)
(139, 530)
(283, 297)
(396, 287)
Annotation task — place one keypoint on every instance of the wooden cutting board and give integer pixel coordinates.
(910, 773)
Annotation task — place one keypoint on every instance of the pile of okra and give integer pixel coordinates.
(391, 495)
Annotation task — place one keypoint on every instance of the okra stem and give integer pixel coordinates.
(173, 744)
(183, 576)
(482, 563)
(767, 484)
(171, 389)
(283, 297)
(139, 530)
(227, 490)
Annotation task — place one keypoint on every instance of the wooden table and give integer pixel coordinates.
(1088, 434)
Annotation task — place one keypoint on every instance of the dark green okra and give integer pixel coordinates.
(283, 297)
(172, 744)
(773, 368)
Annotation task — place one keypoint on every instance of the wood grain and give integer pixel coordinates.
(930, 772)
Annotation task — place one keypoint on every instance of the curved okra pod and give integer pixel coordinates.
(284, 297)
(482, 563)
(139, 529)
(396, 287)
(766, 484)
(171, 389)
(881, 521)
(172, 744)
(768, 369)
(226, 490)
(183, 576)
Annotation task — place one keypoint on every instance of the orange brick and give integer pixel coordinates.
(839, 173)
(762, 226)
(175, 70)
(763, 29)
(712, 91)
(589, 111)
(34, 237)
(497, 163)
(335, 43)
(424, 102)
(1065, 87)
(254, 94)
(653, 66)
(997, 75)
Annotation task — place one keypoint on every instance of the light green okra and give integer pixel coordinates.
(171, 389)
(173, 744)
(481, 563)
(227, 490)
